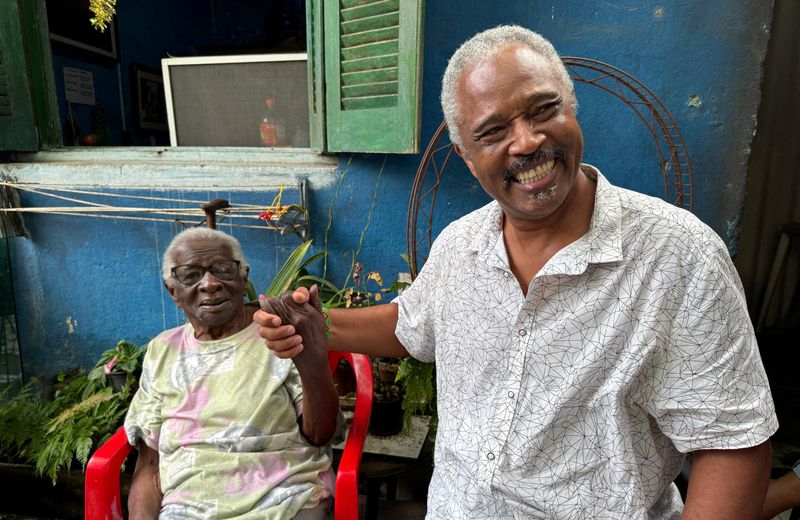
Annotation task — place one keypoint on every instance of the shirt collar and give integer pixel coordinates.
(601, 244)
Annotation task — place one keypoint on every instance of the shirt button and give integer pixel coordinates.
(511, 395)
(505, 274)
(522, 332)
(490, 456)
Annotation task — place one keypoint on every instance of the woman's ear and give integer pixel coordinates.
(171, 292)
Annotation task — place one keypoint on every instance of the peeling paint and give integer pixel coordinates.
(71, 324)
(695, 102)
(658, 13)
(732, 236)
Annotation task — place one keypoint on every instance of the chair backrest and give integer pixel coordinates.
(103, 501)
(346, 503)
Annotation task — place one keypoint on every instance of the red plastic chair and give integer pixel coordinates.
(102, 500)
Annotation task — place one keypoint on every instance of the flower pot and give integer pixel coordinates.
(118, 380)
(386, 418)
(387, 371)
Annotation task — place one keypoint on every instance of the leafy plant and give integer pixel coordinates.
(103, 11)
(419, 381)
(23, 415)
(123, 357)
(53, 434)
(73, 434)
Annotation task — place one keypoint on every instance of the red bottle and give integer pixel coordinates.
(268, 128)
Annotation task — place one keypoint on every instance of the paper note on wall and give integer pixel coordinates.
(79, 86)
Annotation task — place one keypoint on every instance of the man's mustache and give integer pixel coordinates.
(528, 162)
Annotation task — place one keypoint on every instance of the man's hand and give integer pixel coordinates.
(292, 323)
(367, 330)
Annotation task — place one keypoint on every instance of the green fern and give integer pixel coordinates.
(418, 379)
(76, 431)
(23, 414)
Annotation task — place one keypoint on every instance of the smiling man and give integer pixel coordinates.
(224, 428)
(586, 337)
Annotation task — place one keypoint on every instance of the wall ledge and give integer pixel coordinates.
(172, 167)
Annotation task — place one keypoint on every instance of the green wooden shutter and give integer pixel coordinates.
(28, 105)
(17, 124)
(373, 66)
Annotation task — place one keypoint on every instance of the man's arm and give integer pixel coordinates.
(367, 330)
(727, 484)
(144, 499)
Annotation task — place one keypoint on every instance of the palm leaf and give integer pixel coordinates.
(288, 271)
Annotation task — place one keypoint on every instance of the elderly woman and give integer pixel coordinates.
(224, 428)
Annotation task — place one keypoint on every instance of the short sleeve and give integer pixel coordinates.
(708, 388)
(143, 420)
(416, 307)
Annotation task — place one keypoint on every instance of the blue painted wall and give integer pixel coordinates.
(82, 284)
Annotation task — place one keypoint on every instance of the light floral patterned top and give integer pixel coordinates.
(223, 417)
(578, 400)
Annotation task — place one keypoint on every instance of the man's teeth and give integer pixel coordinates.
(535, 174)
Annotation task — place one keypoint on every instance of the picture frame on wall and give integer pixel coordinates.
(69, 26)
(148, 102)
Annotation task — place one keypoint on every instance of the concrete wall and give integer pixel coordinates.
(82, 284)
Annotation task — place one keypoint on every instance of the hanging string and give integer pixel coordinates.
(271, 215)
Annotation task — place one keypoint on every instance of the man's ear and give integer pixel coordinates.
(461, 153)
(171, 292)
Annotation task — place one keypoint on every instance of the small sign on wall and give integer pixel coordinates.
(79, 86)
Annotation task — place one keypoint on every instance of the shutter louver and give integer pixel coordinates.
(370, 32)
(373, 65)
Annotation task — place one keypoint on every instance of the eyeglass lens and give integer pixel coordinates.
(191, 274)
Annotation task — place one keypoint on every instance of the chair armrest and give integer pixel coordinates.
(102, 499)
(346, 503)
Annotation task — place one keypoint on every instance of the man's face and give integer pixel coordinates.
(209, 302)
(521, 139)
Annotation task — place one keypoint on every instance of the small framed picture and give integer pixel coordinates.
(68, 22)
(148, 99)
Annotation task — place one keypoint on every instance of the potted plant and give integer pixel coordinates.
(121, 365)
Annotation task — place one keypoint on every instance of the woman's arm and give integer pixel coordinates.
(144, 499)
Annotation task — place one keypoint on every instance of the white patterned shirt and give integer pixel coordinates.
(632, 347)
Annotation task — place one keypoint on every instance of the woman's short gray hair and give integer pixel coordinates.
(200, 233)
(485, 45)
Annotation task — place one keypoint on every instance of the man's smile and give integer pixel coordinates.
(534, 174)
(533, 168)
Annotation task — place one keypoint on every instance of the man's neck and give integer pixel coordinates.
(530, 245)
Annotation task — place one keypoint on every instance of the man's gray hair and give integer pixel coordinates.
(484, 46)
(200, 233)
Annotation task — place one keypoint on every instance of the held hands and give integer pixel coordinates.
(293, 324)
